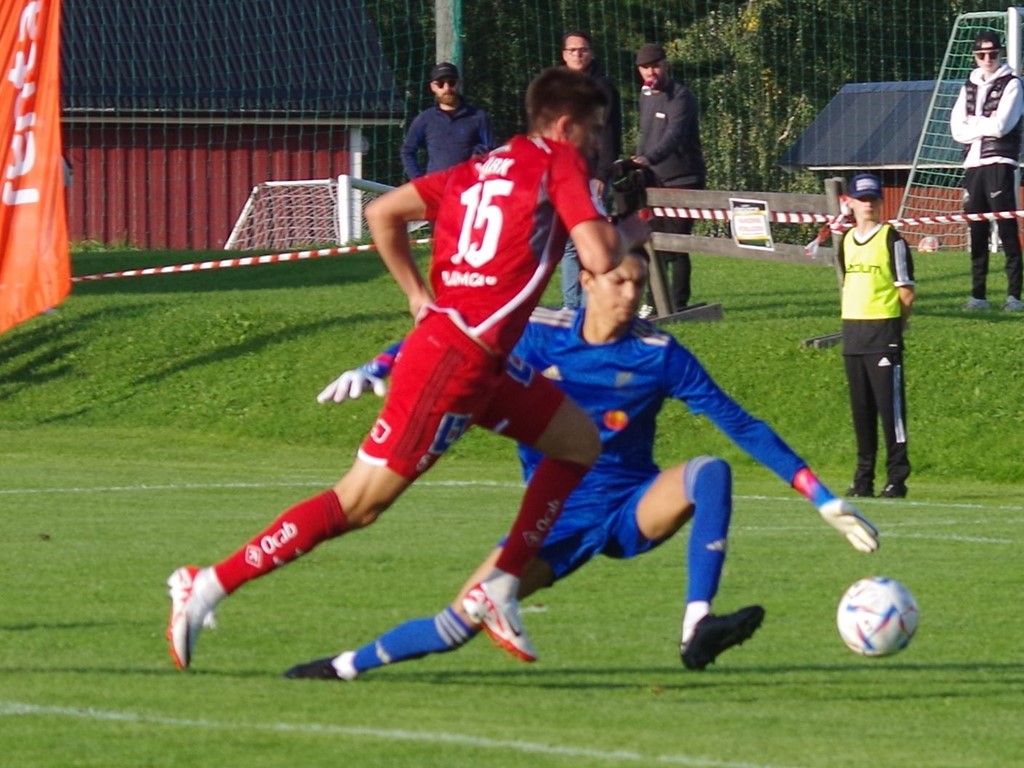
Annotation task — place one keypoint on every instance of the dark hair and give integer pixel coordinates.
(576, 33)
(559, 91)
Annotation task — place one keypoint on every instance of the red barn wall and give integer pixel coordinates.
(181, 187)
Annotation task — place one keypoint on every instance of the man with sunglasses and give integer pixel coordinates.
(988, 119)
(449, 132)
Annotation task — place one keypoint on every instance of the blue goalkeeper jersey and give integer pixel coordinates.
(622, 386)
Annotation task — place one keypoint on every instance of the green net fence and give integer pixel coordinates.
(175, 112)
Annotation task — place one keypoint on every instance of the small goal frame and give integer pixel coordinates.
(340, 222)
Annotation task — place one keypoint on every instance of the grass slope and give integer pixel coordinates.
(243, 352)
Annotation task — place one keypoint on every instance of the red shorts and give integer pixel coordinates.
(443, 383)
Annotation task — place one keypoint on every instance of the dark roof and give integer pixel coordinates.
(876, 125)
(225, 57)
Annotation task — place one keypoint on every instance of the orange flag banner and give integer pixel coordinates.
(35, 267)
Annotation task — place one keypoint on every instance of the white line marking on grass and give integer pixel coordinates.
(905, 503)
(462, 484)
(16, 708)
(950, 537)
(220, 486)
(958, 522)
(885, 533)
(144, 487)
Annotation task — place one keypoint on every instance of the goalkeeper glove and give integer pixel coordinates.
(351, 384)
(838, 513)
(847, 519)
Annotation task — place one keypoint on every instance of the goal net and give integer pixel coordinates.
(288, 215)
(934, 187)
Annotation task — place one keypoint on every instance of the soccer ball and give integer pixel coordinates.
(877, 617)
(928, 244)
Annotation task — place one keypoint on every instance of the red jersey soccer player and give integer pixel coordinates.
(501, 224)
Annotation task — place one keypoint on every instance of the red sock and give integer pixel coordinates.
(551, 484)
(296, 531)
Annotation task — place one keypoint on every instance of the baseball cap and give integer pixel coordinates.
(444, 69)
(865, 185)
(987, 36)
(649, 53)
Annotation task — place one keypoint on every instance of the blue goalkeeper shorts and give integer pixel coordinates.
(595, 525)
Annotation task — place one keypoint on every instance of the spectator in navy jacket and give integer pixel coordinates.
(449, 132)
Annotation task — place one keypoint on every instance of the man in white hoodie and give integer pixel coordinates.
(987, 120)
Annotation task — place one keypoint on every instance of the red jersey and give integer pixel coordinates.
(501, 222)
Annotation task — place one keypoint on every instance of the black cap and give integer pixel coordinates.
(442, 70)
(988, 36)
(650, 53)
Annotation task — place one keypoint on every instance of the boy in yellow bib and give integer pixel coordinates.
(878, 292)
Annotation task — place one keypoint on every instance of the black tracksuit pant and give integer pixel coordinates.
(877, 393)
(993, 188)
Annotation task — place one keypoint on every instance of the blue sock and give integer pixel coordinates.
(708, 484)
(415, 638)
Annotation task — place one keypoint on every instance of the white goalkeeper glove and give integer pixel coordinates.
(351, 385)
(847, 519)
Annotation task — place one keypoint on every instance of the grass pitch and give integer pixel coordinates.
(87, 681)
(150, 424)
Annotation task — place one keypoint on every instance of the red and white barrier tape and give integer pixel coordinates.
(714, 214)
(956, 218)
(833, 223)
(783, 217)
(241, 261)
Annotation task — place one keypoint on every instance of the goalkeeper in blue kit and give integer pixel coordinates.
(620, 370)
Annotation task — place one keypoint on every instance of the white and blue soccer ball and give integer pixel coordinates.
(877, 617)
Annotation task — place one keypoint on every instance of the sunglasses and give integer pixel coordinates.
(987, 53)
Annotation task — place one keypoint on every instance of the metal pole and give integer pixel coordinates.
(443, 30)
(457, 33)
(1013, 45)
(448, 31)
(1013, 41)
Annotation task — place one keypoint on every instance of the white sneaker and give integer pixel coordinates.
(189, 615)
(974, 305)
(500, 620)
(1013, 304)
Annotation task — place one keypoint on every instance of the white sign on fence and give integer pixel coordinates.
(751, 224)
